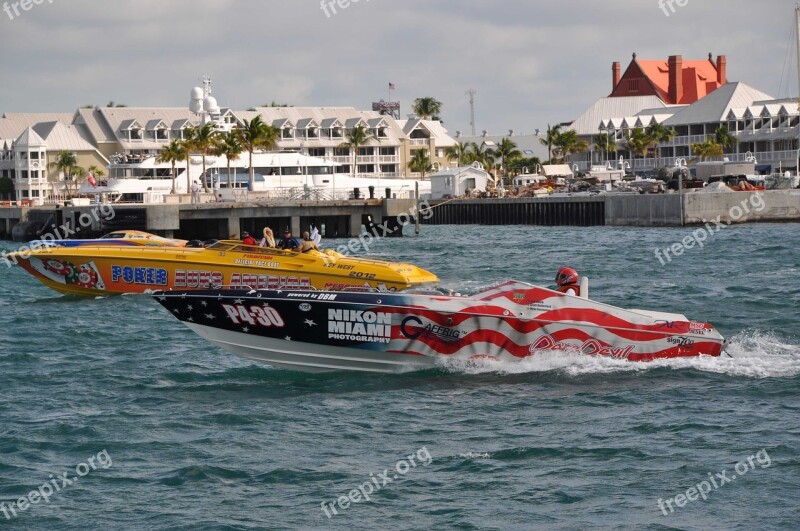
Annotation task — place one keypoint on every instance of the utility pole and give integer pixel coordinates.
(471, 94)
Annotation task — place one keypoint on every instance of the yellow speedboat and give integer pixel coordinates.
(92, 270)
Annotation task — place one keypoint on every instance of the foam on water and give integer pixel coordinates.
(755, 354)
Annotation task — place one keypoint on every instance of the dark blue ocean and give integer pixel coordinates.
(123, 419)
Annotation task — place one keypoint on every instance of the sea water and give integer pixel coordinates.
(134, 422)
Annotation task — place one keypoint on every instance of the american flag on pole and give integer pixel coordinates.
(391, 86)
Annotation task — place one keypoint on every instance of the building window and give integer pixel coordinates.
(287, 133)
(336, 132)
(366, 168)
(388, 151)
(34, 155)
(24, 174)
(316, 152)
(34, 193)
(366, 151)
(312, 132)
(633, 85)
(341, 152)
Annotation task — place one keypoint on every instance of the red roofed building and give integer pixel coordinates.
(674, 81)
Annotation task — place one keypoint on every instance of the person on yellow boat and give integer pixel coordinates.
(288, 243)
(247, 239)
(307, 244)
(269, 239)
(567, 281)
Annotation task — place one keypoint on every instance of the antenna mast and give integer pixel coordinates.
(471, 94)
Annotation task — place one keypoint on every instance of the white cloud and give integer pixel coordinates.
(531, 62)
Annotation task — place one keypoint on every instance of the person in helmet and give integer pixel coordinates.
(567, 281)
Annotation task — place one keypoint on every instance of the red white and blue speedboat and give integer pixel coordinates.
(320, 331)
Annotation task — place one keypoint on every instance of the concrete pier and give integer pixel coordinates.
(646, 210)
(346, 218)
(335, 219)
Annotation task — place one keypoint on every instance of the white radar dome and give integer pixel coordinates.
(197, 93)
(210, 105)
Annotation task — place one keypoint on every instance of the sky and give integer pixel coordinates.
(530, 62)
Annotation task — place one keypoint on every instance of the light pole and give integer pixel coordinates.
(681, 163)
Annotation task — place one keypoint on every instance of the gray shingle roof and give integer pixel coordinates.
(715, 107)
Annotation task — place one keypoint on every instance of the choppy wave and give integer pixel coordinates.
(753, 354)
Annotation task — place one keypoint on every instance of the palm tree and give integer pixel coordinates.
(231, 146)
(706, 149)
(568, 142)
(460, 152)
(605, 143)
(255, 134)
(172, 153)
(206, 142)
(725, 138)
(427, 108)
(420, 162)
(507, 151)
(187, 146)
(658, 133)
(485, 155)
(356, 137)
(550, 139)
(67, 162)
(638, 142)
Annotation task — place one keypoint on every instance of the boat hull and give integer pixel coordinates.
(319, 331)
(112, 270)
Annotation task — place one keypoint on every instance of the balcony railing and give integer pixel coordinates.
(419, 141)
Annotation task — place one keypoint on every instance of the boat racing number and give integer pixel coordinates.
(252, 315)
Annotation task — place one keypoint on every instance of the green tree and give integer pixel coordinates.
(420, 162)
(550, 139)
(355, 138)
(658, 133)
(460, 152)
(485, 155)
(568, 142)
(67, 162)
(605, 143)
(707, 149)
(507, 151)
(638, 142)
(172, 153)
(427, 108)
(231, 146)
(255, 135)
(188, 146)
(206, 142)
(725, 139)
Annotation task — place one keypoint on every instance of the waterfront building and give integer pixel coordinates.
(766, 128)
(121, 138)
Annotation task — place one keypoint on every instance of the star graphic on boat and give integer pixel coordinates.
(238, 301)
(190, 319)
(210, 316)
(176, 311)
(162, 298)
(183, 295)
(203, 303)
(189, 307)
(309, 322)
(287, 338)
(245, 329)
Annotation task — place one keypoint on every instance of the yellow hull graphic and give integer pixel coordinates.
(97, 270)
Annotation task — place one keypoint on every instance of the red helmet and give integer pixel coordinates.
(566, 275)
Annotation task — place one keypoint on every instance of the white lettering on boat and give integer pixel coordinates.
(357, 325)
(590, 346)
